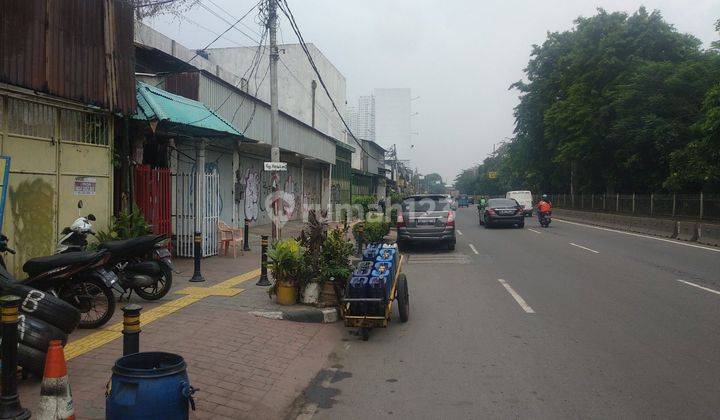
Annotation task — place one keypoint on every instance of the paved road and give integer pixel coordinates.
(525, 324)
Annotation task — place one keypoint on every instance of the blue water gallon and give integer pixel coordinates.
(377, 289)
(357, 289)
(387, 255)
(363, 268)
(384, 268)
(149, 385)
(371, 251)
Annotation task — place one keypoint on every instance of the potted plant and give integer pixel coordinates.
(312, 239)
(285, 260)
(335, 265)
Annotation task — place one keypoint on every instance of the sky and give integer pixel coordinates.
(458, 56)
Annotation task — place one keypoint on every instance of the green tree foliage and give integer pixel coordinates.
(623, 102)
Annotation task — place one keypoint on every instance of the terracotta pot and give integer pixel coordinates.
(286, 294)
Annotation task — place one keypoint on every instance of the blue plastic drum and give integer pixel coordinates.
(151, 385)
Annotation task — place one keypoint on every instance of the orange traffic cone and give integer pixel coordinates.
(55, 398)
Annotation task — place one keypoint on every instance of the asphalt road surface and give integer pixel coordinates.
(565, 322)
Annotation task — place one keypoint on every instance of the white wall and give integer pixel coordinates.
(295, 76)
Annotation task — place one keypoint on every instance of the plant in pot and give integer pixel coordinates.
(312, 238)
(285, 262)
(335, 265)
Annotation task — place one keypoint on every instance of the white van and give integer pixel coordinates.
(524, 198)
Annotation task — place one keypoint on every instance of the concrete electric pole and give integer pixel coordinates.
(274, 127)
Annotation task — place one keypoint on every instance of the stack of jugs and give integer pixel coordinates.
(357, 287)
(371, 251)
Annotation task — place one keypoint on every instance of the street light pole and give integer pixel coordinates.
(274, 120)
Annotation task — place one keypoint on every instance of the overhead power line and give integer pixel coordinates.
(232, 25)
(285, 8)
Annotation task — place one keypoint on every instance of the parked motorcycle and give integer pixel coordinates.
(545, 219)
(142, 264)
(79, 279)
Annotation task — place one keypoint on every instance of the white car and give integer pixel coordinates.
(524, 198)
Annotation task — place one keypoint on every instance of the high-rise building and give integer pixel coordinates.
(392, 117)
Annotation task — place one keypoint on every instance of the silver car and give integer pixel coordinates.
(426, 218)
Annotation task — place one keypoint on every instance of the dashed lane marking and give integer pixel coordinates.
(473, 249)
(699, 287)
(517, 297)
(533, 230)
(459, 232)
(584, 247)
(193, 294)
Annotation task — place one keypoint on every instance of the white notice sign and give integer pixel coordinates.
(276, 166)
(84, 185)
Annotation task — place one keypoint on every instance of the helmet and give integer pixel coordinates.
(544, 197)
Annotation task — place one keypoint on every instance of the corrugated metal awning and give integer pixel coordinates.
(177, 115)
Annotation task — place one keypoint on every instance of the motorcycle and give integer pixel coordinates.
(143, 264)
(79, 279)
(545, 219)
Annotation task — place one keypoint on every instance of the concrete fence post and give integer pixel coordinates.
(592, 201)
(617, 203)
(582, 198)
(701, 205)
(633, 203)
(674, 204)
(652, 197)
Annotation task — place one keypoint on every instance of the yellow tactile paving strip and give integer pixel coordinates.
(192, 294)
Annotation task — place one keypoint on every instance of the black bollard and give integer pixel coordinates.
(131, 329)
(246, 236)
(197, 277)
(263, 262)
(10, 407)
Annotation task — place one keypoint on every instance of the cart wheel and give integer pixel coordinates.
(365, 333)
(403, 298)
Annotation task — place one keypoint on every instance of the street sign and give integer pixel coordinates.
(492, 175)
(276, 166)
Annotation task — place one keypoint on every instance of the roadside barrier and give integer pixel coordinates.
(55, 397)
(131, 329)
(687, 231)
(10, 407)
(709, 234)
(263, 281)
(197, 276)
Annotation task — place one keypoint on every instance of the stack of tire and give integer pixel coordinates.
(43, 317)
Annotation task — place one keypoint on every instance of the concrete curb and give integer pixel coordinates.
(309, 315)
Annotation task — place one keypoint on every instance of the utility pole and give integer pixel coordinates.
(274, 120)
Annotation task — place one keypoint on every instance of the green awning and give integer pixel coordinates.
(180, 116)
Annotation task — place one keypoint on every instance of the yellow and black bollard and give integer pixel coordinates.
(197, 276)
(263, 262)
(131, 329)
(10, 407)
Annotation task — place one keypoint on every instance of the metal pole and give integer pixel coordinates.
(274, 118)
(652, 198)
(617, 203)
(199, 211)
(131, 329)
(246, 236)
(10, 407)
(633, 203)
(263, 262)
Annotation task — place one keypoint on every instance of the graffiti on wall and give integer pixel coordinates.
(252, 193)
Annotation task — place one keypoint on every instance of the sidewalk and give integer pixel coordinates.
(244, 366)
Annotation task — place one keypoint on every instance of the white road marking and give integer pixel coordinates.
(699, 287)
(473, 249)
(517, 297)
(458, 231)
(533, 230)
(640, 235)
(585, 248)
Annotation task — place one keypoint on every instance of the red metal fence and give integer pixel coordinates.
(152, 196)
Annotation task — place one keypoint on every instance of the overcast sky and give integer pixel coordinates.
(459, 56)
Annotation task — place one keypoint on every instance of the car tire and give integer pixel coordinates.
(38, 334)
(403, 298)
(45, 307)
(31, 360)
(451, 246)
(521, 225)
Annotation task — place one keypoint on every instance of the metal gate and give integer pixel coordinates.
(152, 196)
(186, 195)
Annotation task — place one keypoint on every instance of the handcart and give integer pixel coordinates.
(374, 312)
